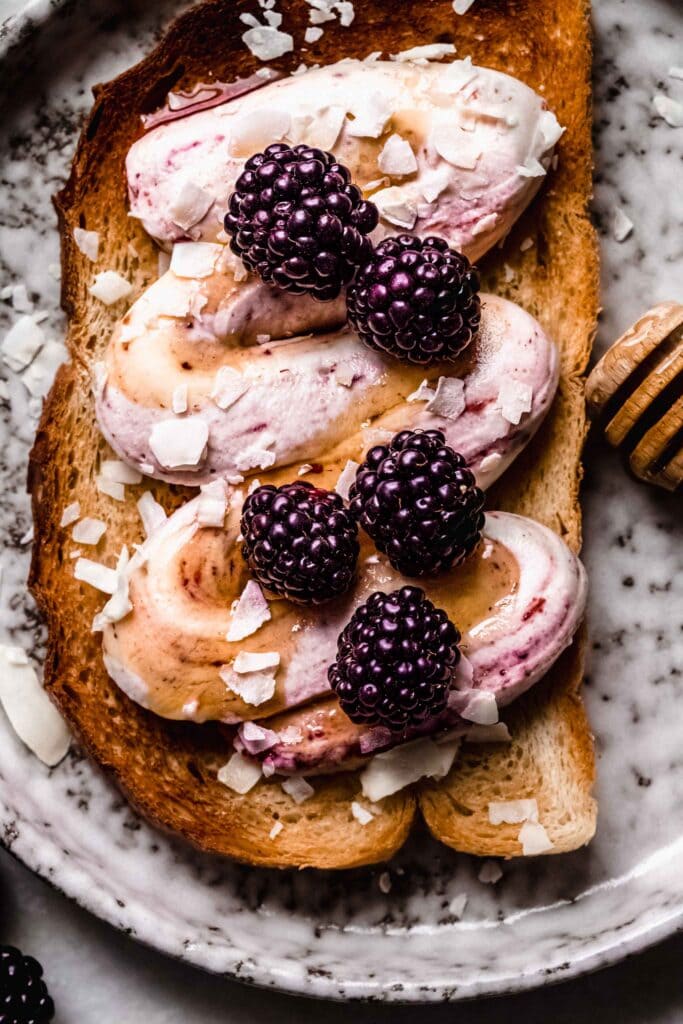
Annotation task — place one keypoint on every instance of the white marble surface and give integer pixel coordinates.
(632, 550)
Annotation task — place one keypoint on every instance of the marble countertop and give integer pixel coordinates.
(632, 550)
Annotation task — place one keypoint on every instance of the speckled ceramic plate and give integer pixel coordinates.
(341, 935)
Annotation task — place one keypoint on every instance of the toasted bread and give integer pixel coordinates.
(168, 770)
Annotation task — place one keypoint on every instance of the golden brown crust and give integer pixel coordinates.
(166, 769)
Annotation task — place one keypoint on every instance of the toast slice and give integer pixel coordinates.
(168, 770)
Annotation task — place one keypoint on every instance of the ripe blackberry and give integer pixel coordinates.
(419, 503)
(417, 300)
(300, 541)
(24, 998)
(298, 222)
(395, 660)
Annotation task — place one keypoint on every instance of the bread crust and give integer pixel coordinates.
(166, 769)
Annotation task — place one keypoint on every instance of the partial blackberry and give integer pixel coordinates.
(395, 660)
(418, 501)
(300, 541)
(415, 299)
(298, 222)
(24, 998)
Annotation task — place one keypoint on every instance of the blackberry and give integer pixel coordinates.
(418, 501)
(417, 300)
(24, 998)
(298, 222)
(300, 541)
(395, 660)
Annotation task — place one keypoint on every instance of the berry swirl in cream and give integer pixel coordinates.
(443, 149)
(517, 602)
(253, 406)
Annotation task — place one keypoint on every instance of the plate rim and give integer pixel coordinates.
(618, 947)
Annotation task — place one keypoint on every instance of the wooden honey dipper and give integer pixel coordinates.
(636, 393)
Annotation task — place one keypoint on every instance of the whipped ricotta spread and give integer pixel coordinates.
(517, 601)
(442, 148)
(249, 406)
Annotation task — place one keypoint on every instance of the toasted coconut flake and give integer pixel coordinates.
(88, 531)
(534, 839)
(21, 343)
(239, 774)
(449, 398)
(110, 287)
(30, 712)
(360, 813)
(228, 387)
(191, 205)
(346, 478)
(394, 769)
(70, 514)
(298, 789)
(248, 613)
(151, 512)
(121, 472)
(179, 444)
(194, 259)
(88, 242)
(512, 812)
(396, 157)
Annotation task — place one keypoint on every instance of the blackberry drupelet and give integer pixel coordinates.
(24, 998)
(418, 501)
(395, 660)
(300, 541)
(415, 299)
(296, 219)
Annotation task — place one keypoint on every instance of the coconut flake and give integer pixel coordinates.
(514, 399)
(396, 157)
(396, 206)
(179, 444)
(360, 813)
(526, 244)
(531, 168)
(228, 387)
(671, 110)
(394, 769)
(675, 72)
(534, 839)
(248, 613)
(88, 242)
(496, 733)
(110, 287)
(449, 398)
(119, 604)
(254, 688)
(298, 789)
(121, 472)
(267, 42)
(370, 117)
(96, 575)
(212, 504)
(21, 343)
(346, 478)
(88, 531)
(430, 51)
(291, 735)
(462, 6)
(30, 711)
(512, 812)
(179, 399)
(151, 512)
(276, 830)
(312, 34)
(481, 708)
(256, 129)
(457, 905)
(622, 225)
(435, 182)
(456, 146)
(255, 458)
(70, 514)
(490, 872)
(249, 661)
(256, 738)
(38, 377)
(111, 488)
(194, 259)
(239, 774)
(423, 394)
(191, 205)
(18, 296)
